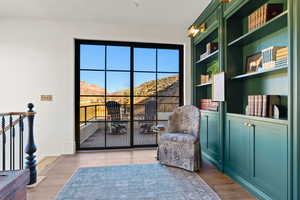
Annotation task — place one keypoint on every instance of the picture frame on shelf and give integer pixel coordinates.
(253, 63)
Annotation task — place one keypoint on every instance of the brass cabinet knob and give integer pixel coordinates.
(251, 125)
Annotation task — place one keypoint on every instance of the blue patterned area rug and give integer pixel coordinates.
(136, 182)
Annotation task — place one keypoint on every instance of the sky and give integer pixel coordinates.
(118, 58)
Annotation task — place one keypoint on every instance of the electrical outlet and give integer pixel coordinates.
(46, 98)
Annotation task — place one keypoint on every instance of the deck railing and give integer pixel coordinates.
(12, 135)
(93, 112)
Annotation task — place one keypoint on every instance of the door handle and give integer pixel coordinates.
(251, 125)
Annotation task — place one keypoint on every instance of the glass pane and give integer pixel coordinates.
(145, 109)
(167, 84)
(144, 84)
(118, 134)
(144, 59)
(118, 109)
(92, 135)
(164, 110)
(143, 134)
(92, 57)
(92, 108)
(118, 83)
(162, 100)
(118, 58)
(168, 60)
(92, 83)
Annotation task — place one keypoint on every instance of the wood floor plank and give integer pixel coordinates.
(63, 168)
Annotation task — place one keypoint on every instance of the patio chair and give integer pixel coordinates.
(114, 114)
(146, 127)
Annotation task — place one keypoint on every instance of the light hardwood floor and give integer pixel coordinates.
(58, 173)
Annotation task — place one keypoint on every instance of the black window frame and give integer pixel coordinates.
(132, 46)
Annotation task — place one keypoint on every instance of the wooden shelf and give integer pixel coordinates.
(209, 58)
(204, 84)
(250, 75)
(209, 111)
(266, 119)
(271, 26)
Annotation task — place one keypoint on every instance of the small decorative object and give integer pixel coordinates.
(204, 79)
(193, 31)
(225, 1)
(279, 111)
(247, 110)
(219, 87)
(254, 63)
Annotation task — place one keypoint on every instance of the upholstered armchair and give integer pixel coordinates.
(179, 146)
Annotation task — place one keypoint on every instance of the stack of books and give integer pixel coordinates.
(208, 104)
(263, 15)
(262, 105)
(274, 57)
(282, 57)
(210, 48)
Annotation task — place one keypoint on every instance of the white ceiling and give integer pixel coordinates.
(165, 12)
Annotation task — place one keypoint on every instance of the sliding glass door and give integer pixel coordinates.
(123, 90)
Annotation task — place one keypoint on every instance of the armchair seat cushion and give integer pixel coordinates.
(178, 137)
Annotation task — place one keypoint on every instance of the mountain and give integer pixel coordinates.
(167, 86)
(90, 89)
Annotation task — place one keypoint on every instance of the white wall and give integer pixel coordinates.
(37, 57)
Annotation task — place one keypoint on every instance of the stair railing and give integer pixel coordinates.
(10, 122)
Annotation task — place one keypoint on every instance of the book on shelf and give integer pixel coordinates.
(208, 104)
(210, 48)
(262, 105)
(262, 15)
(272, 54)
(251, 105)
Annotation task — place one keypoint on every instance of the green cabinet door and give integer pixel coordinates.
(213, 136)
(210, 137)
(269, 158)
(203, 131)
(237, 140)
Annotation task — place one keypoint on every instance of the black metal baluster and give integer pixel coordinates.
(30, 147)
(95, 112)
(4, 143)
(13, 146)
(10, 142)
(20, 143)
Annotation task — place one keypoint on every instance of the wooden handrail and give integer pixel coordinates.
(6, 128)
(17, 113)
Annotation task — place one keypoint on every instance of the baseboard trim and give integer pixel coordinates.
(211, 160)
(247, 185)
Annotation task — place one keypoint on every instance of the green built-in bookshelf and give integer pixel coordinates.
(257, 52)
